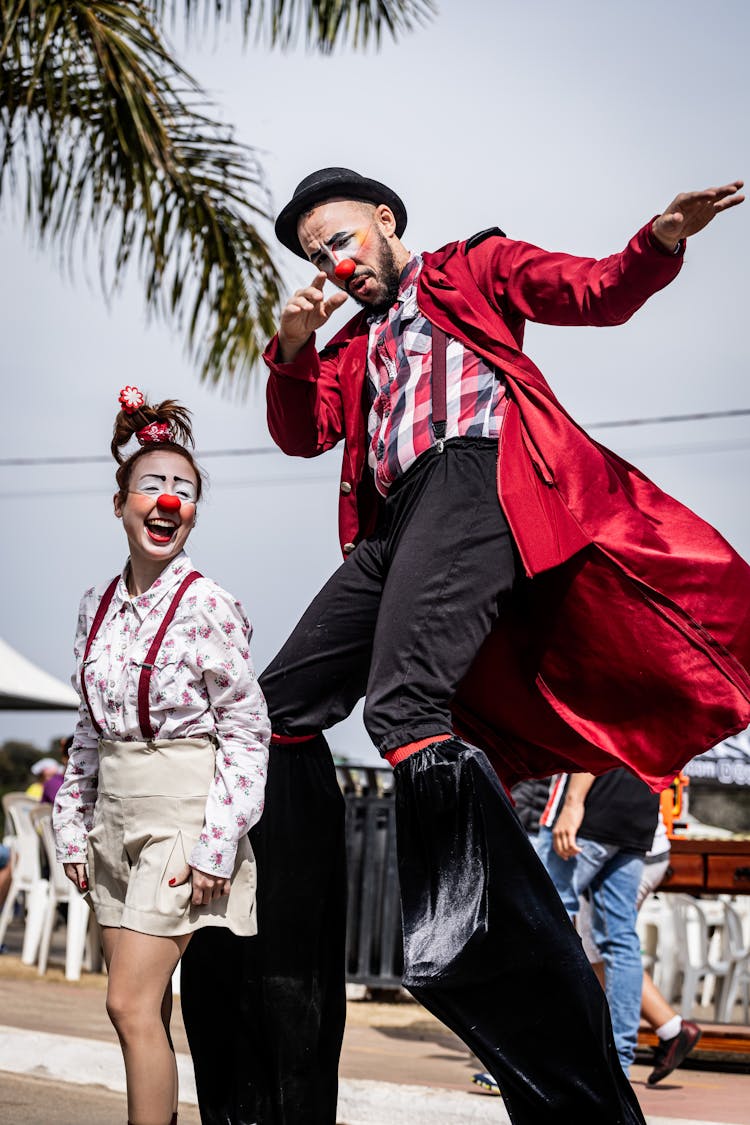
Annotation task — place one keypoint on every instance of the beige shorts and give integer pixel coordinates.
(148, 816)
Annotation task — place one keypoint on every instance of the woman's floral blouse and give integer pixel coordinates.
(203, 683)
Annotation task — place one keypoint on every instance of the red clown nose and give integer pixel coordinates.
(169, 502)
(344, 269)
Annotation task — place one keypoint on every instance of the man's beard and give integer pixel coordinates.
(389, 276)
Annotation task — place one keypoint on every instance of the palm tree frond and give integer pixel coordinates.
(322, 25)
(112, 140)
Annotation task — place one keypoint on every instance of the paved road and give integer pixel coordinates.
(399, 1065)
(36, 1101)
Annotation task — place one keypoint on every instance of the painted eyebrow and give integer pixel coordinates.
(328, 242)
(157, 476)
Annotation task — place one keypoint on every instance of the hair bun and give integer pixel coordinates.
(163, 423)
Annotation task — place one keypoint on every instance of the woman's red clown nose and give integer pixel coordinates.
(344, 269)
(168, 502)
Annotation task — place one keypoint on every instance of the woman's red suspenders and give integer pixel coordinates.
(144, 720)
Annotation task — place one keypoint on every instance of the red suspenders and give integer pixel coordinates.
(144, 720)
(144, 681)
(101, 611)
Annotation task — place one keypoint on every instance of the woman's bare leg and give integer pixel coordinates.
(139, 1004)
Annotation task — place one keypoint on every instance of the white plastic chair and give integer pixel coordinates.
(737, 950)
(61, 890)
(713, 910)
(27, 873)
(694, 957)
(656, 932)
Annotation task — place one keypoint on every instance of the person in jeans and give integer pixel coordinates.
(594, 838)
(676, 1036)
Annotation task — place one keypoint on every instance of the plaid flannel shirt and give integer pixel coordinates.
(399, 367)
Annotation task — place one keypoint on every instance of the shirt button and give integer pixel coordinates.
(345, 487)
(348, 548)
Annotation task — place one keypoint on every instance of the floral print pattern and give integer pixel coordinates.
(203, 684)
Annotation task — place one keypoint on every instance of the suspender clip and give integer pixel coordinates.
(440, 445)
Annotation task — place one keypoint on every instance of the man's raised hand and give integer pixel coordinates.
(304, 313)
(691, 211)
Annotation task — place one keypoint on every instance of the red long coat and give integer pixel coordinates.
(629, 642)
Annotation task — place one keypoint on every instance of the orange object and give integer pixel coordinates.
(673, 802)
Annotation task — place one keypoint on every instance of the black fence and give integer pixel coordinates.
(373, 944)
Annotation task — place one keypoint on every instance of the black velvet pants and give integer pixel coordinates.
(489, 949)
(488, 946)
(265, 1015)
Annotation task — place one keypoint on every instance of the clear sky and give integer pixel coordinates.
(568, 125)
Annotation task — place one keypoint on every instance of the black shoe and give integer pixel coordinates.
(671, 1052)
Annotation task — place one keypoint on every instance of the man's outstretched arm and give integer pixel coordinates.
(562, 289)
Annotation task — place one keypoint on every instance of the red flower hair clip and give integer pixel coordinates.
(131, 399)
(157, 432)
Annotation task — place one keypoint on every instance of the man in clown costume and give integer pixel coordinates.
(515, 600)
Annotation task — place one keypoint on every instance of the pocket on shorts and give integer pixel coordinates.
(174, 901)
(95, 843)
(91, 858)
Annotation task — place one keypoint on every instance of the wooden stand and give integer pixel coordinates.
(714, 867)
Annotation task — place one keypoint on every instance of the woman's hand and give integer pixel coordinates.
(76, 872)
(205, 887)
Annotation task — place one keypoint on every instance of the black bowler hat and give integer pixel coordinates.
(327, 183)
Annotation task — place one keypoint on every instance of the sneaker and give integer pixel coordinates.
(671, 1052)
(485, 1081)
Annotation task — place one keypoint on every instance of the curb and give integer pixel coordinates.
(91, 1062)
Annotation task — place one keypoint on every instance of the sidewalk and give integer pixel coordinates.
(399, 1065)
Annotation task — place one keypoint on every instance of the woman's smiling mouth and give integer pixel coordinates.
(160, 530)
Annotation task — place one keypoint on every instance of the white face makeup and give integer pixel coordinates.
(157, 484)
(157, 532)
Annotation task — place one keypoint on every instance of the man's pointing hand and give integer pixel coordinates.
(304, 313)
(692, 211)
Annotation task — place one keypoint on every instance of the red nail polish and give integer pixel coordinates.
(84, 885)
(172, 882)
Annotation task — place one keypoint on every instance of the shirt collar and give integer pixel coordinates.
(165, 584)
(406, 301)
(409, 275)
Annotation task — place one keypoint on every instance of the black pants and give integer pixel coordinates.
(401, 621)
(488, 946)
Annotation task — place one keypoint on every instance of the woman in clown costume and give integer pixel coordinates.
(168, 765)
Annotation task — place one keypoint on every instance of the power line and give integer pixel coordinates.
(103, 458)
(698, 417)
(265, 450)
(697, 447)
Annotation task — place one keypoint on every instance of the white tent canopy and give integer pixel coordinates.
(24, 687)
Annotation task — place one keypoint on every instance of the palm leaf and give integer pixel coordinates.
(321, 25)
(112, 142)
